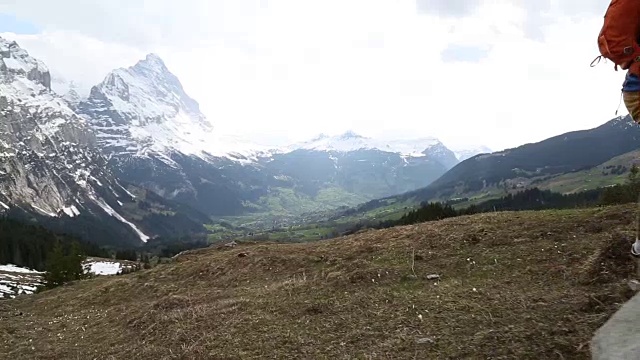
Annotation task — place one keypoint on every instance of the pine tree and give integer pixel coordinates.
(55, 274)
(61, 268)
(145, 261)
(74, 262)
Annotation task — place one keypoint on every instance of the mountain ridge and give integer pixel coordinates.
(351, 141)
(53, 171)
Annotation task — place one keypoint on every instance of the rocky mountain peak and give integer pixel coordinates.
(152, 91)
(152, 62)
(144, 109)
(320, 137)
(15, 61)
(350, 134)
(49, 164)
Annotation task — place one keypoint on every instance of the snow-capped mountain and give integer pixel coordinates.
(156, 137)
(351, 141)
(468, 151)
(143, 110)
(50, 166)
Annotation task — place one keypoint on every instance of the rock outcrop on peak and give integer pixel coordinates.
(143, 110)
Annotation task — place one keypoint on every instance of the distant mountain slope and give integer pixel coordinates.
(366, 173)
(573, 151)
(568, 152)
(613, 171)
(365, 167)
(527, 164)
(144, 109)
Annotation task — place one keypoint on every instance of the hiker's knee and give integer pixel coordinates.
(632, 102)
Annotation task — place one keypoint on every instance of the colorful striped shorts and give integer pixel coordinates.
(632, 102)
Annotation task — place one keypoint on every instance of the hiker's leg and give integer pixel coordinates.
(632, 102)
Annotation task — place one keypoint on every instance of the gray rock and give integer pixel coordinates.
(426, 340)
(618, 338)
(634, 285)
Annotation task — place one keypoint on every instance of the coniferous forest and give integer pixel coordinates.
(30, 245)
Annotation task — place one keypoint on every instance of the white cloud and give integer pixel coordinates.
(277, 69)
(143, 23)
(454, 8)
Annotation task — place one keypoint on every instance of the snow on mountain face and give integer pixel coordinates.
(16, 64)
(26, 83)
(49, 162)
(67, 89)
(426, 147)
(351, 141)
(143, 110)
(465, 152)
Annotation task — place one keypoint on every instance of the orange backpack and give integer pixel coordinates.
(618, 38)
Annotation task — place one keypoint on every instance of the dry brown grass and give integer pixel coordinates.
(528, 285)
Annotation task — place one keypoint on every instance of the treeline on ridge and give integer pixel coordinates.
(530, 199)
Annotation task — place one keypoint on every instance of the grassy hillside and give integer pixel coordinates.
(566, 153)
(283, 202)
(614, 171)
(525, 285)
(557, 163)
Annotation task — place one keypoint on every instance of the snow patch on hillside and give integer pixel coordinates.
(71, 211)
(16, 280)
(109, 210)
(43, 211)
(17, 269)
(107, 267)
(103, 268)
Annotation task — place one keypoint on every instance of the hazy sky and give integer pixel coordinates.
(278, 70)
